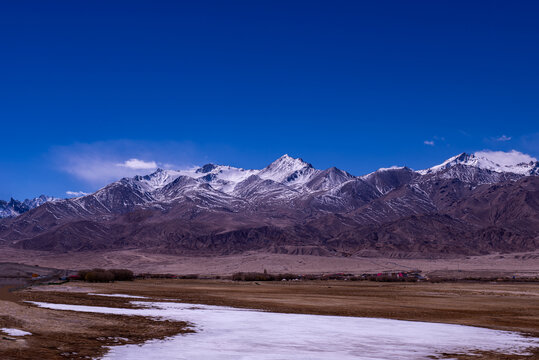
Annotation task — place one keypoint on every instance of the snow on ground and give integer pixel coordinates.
(15, 332)
(229, 333)
(120, 296)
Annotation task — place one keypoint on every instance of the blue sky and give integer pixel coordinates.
(353, 84)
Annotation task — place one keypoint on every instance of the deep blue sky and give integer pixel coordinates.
(355, 84)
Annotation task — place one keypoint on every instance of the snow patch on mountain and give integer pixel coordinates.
(223, 178)
(157, 179)
(14, 207)
(290, 170)
(287, 170)
(394, 167)
(286, 179)
(498, 161)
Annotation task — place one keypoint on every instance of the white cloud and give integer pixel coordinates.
(503, 138)
(76, 193)
(502, 158)
(101, 163)
(428, 142)
(137, 164)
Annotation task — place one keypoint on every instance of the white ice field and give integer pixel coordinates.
(14, 332)
(230, 333)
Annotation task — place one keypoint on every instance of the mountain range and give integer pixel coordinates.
(471, 204)
(14, 207)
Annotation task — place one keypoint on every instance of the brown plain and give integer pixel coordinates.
(504, 306)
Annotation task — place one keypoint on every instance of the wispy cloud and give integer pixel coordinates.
(96, 170)
(506, 158)
(103, 162)
(429, 142)
(503, 138)
(137, 164)
(76, 193)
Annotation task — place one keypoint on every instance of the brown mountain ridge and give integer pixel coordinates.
(454, 209)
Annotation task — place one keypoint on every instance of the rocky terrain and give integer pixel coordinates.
(14, 207)
(468, 205)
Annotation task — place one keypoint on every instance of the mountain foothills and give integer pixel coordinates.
(471, 204)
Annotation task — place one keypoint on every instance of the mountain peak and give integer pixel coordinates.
(287, 160)
(15, 207)
(498, 161)
(286, 169)
(206, 168)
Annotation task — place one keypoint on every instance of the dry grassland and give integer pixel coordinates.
(60, 334)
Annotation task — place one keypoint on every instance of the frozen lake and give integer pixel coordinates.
(230, 333)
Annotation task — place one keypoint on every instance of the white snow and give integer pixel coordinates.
(8, 209)
(229, 333)
(394, 167)
(159, 179)
(15, 332)
(281, 169)
(499, 161)
(225, 178)
(119, 296)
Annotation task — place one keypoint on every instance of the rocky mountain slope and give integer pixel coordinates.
(470, 204)
(14, 207)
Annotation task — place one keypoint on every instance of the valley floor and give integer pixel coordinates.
(519, 264)
(66, 334)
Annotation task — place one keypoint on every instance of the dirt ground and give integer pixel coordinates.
(519, 264)
(70, 335)
(504, 306)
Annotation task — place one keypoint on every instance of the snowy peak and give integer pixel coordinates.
(221, 177)
(14, 207)
(498, 161)
(206, 168)
(38, 201)
(157, 179)
(287, 169)
(462, 158)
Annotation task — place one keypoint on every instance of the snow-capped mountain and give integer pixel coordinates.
(301, 178)
(288, 170)
(497, 161)
(14, 207)
(287, 179)
(225, 178)
(225, 209)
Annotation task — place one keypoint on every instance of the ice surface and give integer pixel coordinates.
(229, 333)
(120, 296)
(15, 332)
